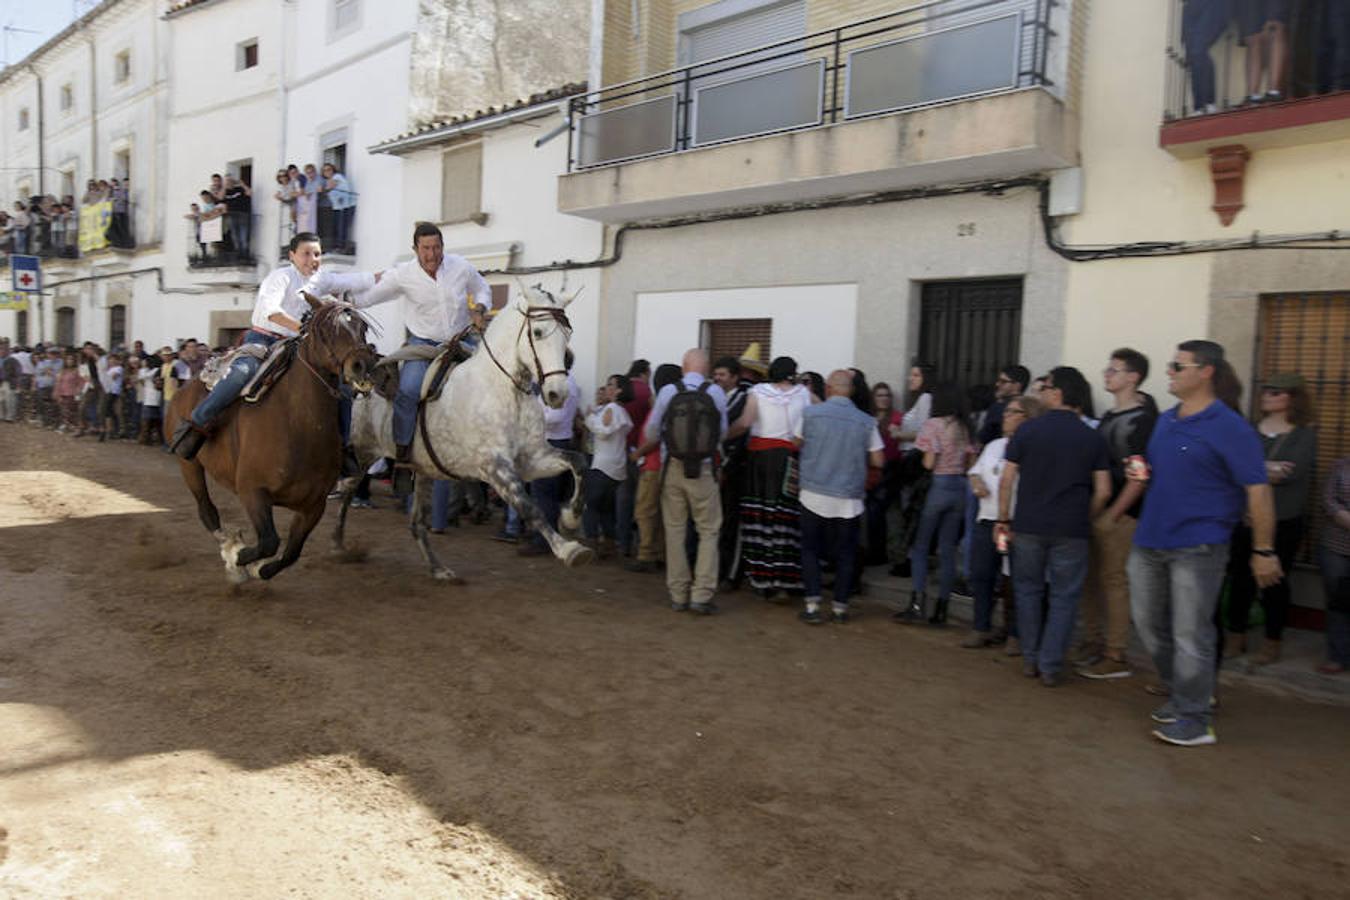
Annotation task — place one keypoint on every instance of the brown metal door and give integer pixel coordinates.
(971, 329)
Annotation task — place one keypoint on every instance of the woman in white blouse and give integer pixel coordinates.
(609, 424)
(770, 515)
(902, 517)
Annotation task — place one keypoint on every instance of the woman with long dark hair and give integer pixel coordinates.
(944, 441)
(884, 492)
(1290, 442)
(903, 518)
(770, 515)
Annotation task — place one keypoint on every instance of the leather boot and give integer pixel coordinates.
(187, 439)
(403, 474)
(939, 617)
(912, 614)
(1269, 653)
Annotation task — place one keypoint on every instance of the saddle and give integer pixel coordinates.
(275, 361)
(443, 357)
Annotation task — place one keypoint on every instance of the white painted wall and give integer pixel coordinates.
(814, 324)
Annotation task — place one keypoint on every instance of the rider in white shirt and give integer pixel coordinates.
(443, 295)
(276, 315)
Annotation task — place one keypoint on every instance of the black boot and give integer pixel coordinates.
(187, 439)
(913, 614)
(939, 617)
(403, 473)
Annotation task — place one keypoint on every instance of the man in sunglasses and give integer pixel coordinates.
(1207, 466)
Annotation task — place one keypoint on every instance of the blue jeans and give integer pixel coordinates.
(342, 223)
(985, 563)
(1173, 596)
(547, 493)
(1202, 22)
(835, 539)
(942, 513)
(598, 517)
(1062, 563)
(410, 378)
(228, 388)
(241, 232)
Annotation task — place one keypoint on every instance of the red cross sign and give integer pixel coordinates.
(27, 274)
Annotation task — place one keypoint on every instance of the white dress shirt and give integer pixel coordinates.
(437, 308)
(611, 441)
(280, 292)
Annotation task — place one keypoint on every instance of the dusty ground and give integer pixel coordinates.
(354, 730)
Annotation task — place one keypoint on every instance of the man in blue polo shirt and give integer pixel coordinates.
(1207, 465)
(1061, 470)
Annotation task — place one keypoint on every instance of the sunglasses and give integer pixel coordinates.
(1175, 366)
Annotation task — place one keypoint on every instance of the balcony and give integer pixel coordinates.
(1220, 95)
(926, 95)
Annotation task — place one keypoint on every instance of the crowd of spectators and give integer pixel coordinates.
(320, 201)
(221, 221)
(49, 226)
(735, 474)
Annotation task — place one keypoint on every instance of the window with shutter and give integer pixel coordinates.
(462, 184)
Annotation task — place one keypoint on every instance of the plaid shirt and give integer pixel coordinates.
(1336, 536)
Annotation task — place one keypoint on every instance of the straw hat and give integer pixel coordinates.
(753, 359)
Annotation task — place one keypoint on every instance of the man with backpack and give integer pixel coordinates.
(687, 422)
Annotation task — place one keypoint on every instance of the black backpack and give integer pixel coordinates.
(691, 427)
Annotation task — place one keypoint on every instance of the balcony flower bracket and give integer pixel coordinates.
(1228, 168)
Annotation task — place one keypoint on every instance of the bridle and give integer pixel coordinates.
(307, 329)
(528, 315)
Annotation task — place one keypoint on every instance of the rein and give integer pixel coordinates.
(308, 330)
(531, 313)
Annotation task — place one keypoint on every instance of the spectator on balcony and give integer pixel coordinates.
(208, 210)
(58, 228)
(6, 235)
(239, 203)
(217, 188)
(307, 202)
(19, 230)
(285, 194)
(91, 193)
(1264, 25)
(119, 227)
(343, 202)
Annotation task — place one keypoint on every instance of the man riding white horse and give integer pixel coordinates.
(443, 294)
(277, 312)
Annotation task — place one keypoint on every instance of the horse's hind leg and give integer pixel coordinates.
(504, 480)
(301, 525)
(258, 504)
(417, 523)
(195, 477)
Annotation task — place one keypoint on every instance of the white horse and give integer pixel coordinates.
(487, 425)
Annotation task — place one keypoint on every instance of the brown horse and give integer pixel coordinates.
(286, 449)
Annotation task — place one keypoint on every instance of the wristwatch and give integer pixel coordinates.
(1266, 552)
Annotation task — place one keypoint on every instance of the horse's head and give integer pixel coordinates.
(541, 344)
(336, 331)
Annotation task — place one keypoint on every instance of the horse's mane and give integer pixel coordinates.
(326, 319)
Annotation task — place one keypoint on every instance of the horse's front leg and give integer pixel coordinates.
(257, 504)
(503, 478)
(549, 462)
(417, 523)
(301, 526)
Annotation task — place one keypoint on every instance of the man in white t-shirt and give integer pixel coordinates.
(838, 443)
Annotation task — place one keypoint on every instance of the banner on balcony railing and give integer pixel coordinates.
(15, 302)
(212, 231)
(94, 219)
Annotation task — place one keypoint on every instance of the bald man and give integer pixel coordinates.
(689, 492)
(838, 443)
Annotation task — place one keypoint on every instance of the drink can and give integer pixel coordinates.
(1136, 468)
(1001, 542)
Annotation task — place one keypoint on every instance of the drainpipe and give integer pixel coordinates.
(41, 137)
(286, 7)
(93, 101)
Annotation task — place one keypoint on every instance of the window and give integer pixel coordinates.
(122, 164)
(241, 170)
(65, 326)
(731, 337)
(462, 184)
(68, 182)
(500, 294)
(23, 119)
(246, 55)
(122, 67)
(343, 16)
(117, 326)
(21, 327)
(67, 97)
(333, 149)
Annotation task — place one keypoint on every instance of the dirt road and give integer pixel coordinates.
(354, 730)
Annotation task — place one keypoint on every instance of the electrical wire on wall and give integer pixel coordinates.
(1323, 240)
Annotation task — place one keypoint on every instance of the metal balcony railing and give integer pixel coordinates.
(222, 241)
(1208, 49)
(918, 56)
(90, 228)
(336, 228)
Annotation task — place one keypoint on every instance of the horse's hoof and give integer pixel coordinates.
(447, 576)
(254, 569)
(235, 575)
(577, 555)
(569, 520)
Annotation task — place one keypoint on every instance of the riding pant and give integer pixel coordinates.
(228, 388)
(410, 378)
